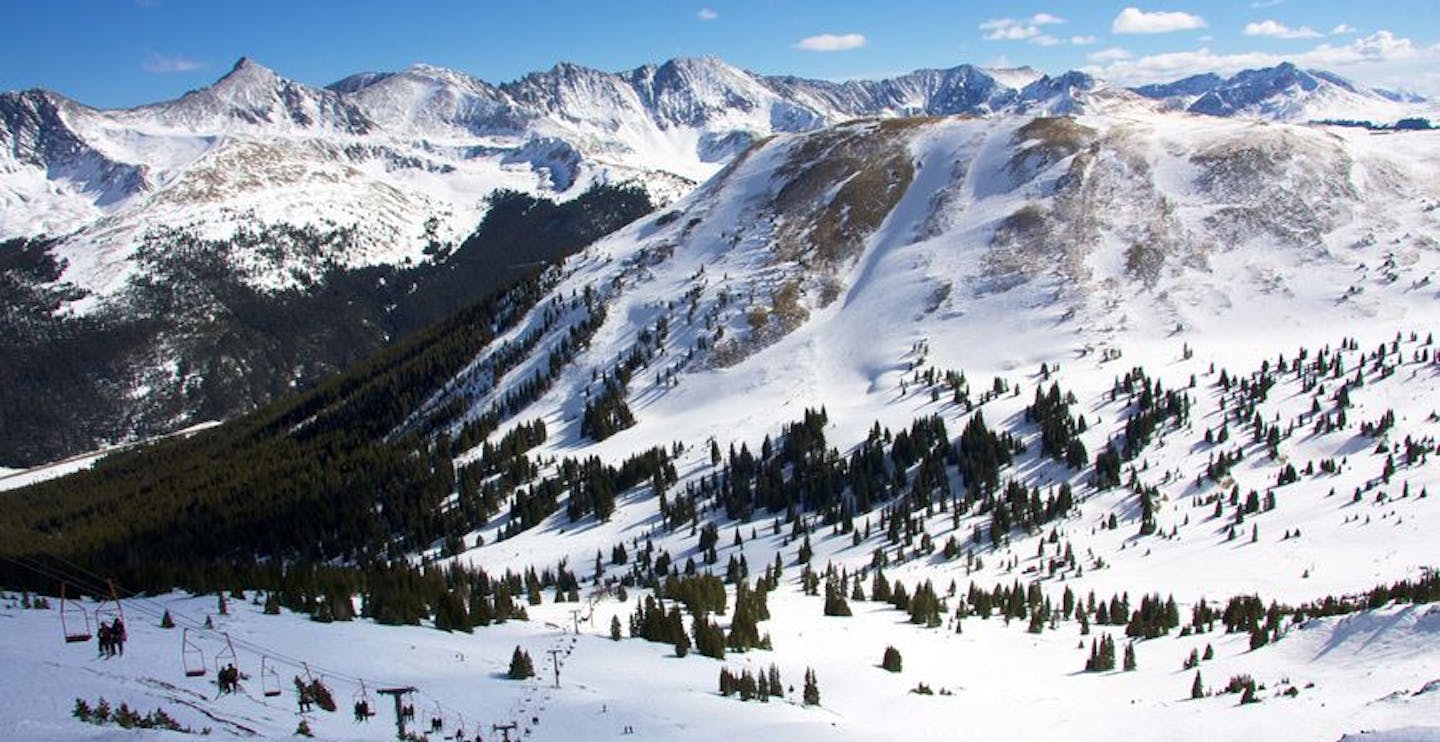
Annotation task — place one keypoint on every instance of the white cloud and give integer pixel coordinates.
(1113, 54)
(1381, 59)
(1342, 30)
(1023, 29)
(1012, 33)
(829, 42)
(160, 63)
(1039, 19)
(707, 14)
(1135, 20)
(1278, 30)
(1263, 4)
(1083, 40)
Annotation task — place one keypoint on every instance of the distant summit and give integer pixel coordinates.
(1284, 92)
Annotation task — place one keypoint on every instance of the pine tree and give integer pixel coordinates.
(1130, 657)
(812, 688)
(615, 628)
(1197, 688)
(835, 604)
(891, 660)
(521, 666)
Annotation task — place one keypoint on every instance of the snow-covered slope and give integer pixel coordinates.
(855, 268)
(1370, 672)
(1017, 240)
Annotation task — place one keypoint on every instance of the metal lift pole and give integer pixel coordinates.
(555, 660)
(399, 695)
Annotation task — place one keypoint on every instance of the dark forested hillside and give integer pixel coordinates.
(189, 340)
(311, 477)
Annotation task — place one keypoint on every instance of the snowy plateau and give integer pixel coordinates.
(1191, 355)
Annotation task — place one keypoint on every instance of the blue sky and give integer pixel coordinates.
(115, 53)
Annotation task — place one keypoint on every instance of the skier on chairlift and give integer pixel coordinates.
(117, 636)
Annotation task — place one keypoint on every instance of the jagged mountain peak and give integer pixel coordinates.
(251, 96)
(247, 68)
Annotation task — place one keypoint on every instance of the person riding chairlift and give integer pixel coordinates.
(117, 636)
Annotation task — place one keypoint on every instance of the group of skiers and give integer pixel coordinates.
(112, 638)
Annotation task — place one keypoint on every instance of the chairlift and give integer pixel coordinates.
(110, 608)
(269, 678)
(364, 706)
(191, 658)
(226, 656)
(74, 621)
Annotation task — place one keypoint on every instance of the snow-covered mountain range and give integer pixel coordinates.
(387, 153)
(1285, 93)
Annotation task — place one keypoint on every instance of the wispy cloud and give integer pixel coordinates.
(829, 42)
(162, 63)
(1342, 30)
(1133, 20)
(1023, 29)
(1278, 30)
(1083, 40)
(1028, 29)
(707, 14)
(1105, 56)
(1263, 4)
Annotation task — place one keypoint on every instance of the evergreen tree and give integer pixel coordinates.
(892, 660)
(1197, 688)
(812, 688)
(835, 604)
(615, 628)
(521, 666)
(777, 688)
(1130, 657)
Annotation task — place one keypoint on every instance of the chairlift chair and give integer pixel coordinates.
(110, 608)
(362, 696)
(74, 621)
(269, 678)
(191, 657)
(226, 656)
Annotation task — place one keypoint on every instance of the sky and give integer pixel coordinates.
(120, 53)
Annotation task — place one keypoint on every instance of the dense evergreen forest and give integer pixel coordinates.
(207, 345)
